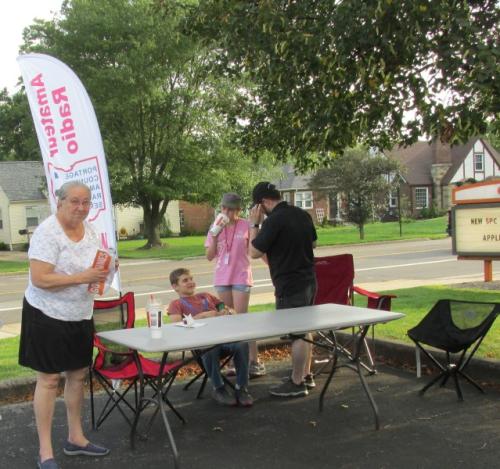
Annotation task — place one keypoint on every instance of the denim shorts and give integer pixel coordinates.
(241, 288)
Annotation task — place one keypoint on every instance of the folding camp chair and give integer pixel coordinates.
(454, 327)
(202, 374)
(117, 368)
(335, 277)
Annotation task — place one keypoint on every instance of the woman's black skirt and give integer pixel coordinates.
(52, 346)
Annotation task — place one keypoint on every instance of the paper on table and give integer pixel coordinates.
(190, 326)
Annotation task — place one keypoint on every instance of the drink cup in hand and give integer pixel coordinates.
(220, 222)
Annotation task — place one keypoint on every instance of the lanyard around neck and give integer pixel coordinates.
(230, 246)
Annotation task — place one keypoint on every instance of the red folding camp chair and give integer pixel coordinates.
(335, 277)
(116, 368)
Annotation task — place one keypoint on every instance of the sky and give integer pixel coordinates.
(15, 16)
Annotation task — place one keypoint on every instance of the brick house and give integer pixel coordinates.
(431, 169)
(295, 190)
(195, 218)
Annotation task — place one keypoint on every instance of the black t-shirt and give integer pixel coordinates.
(287, 237)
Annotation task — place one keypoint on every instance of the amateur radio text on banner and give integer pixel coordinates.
(69, 138)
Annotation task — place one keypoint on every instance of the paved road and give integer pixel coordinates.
(431, 432)
(378, 266)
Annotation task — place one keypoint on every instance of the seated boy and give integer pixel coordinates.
(205, 305)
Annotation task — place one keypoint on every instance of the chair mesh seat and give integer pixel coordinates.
(458, 328)
(128, 369)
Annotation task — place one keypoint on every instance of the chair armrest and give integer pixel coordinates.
(369, 294)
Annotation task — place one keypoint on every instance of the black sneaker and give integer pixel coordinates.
(308, 380)
(224, 397)
(47, 464)
(289, 389)
(243, 397)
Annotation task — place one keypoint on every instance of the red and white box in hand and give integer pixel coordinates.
(102, 260)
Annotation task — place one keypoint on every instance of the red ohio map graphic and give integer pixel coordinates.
(86, 171)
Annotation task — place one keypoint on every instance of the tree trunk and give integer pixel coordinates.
(153, 214)
(361, 227)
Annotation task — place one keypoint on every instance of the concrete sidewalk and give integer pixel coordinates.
(434, 431)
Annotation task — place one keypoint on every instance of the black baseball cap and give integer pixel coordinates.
(265, 190)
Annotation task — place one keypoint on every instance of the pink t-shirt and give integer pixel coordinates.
(233, 261)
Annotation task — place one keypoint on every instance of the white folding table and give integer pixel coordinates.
(258, 326)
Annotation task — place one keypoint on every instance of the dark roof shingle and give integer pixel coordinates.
(292, 181)
(22, 180)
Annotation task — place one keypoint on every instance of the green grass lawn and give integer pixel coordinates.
(190, 246)
(433, 228)
(174, 248)
(13, 266)
(414, 302)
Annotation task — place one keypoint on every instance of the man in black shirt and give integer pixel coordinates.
(286, 241)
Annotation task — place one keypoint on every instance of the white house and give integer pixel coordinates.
(23, 204)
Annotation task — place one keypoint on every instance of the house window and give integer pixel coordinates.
(286, 196)
(31, 217)
(421, 197)
(304, 199)
(181, 218)
(393, 199)
(479, 162)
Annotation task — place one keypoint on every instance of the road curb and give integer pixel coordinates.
(393, 353)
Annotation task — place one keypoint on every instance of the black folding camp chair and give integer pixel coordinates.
(202, 374)
(457, 328)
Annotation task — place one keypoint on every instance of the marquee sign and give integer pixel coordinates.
(476, 230)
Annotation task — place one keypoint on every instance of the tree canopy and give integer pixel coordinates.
(17, 133)
(361, 180)
(331, 73)
(158, 105)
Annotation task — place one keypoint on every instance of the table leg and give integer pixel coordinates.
(161, 405)
(369, 395)
(354, 365)
(138, 406)
(418, 362)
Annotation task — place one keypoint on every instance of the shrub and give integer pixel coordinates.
(431, 212)
(4, 246)
(123, 234)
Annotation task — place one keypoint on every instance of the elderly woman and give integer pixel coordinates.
(57, 329)
(233, 273)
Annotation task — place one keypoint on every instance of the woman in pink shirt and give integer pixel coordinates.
(233, 274)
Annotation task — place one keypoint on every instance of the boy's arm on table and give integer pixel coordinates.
(206, 314)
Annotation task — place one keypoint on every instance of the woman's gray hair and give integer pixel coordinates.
(63, 191)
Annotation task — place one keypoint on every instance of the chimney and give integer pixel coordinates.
(442, 152)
